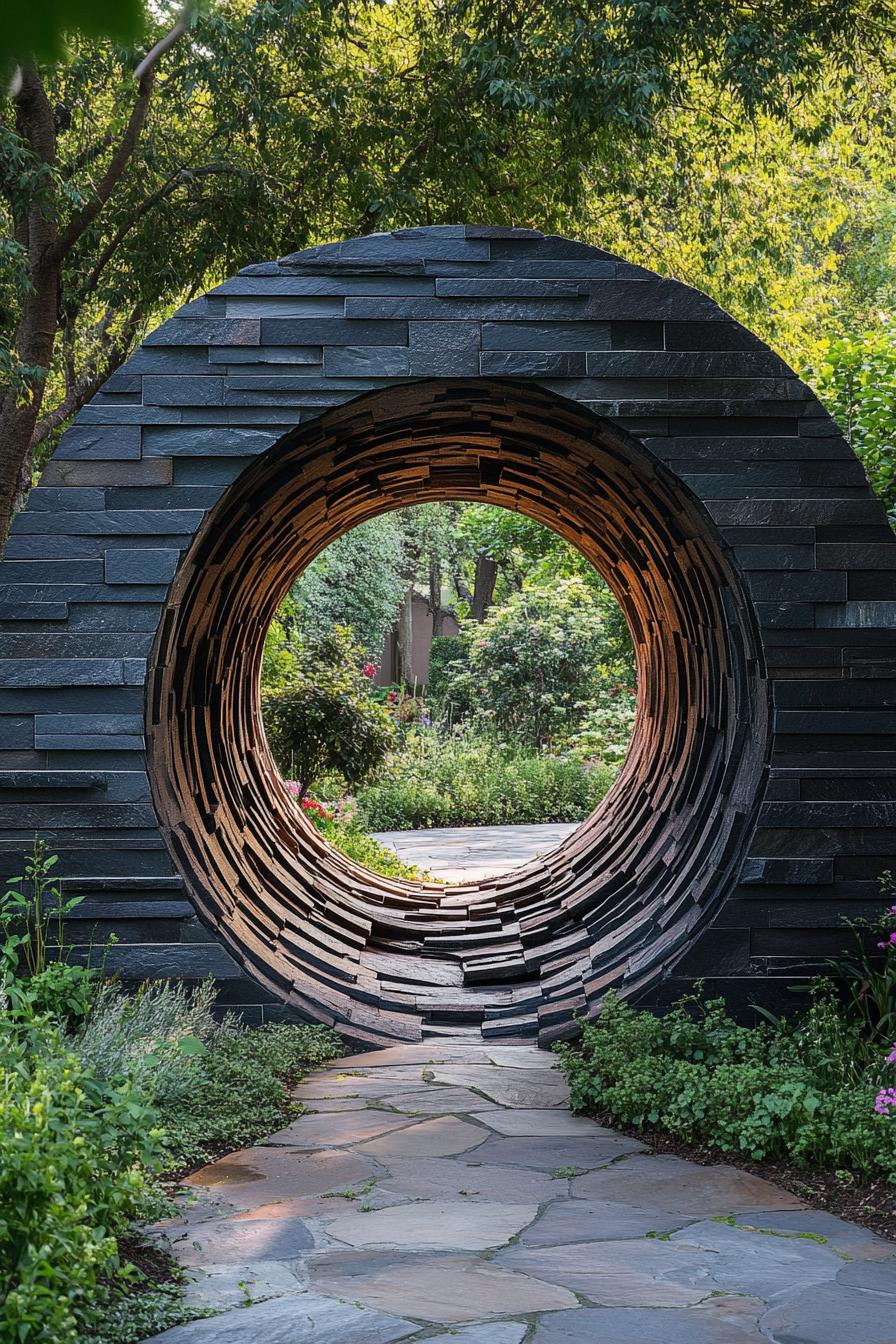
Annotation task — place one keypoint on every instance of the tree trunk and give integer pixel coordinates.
(35, 334)
(483, 587)
(404, 645)
(437, 611)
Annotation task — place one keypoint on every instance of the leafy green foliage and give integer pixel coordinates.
(34, 976)
(38, 31)
(324, 717)
(471, 781)
(236, 1092)
(802, 1091)
(534, 663)
(73, 1149)
(358, 582)
(154, 1036)
(856, 377)
(605, 729)
(99, 1091)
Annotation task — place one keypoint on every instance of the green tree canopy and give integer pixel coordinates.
(270, 125)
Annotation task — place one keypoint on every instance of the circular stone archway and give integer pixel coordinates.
(630, 887)
(630, 413)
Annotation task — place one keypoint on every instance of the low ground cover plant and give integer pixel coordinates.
(816, 1089)
(339, 824)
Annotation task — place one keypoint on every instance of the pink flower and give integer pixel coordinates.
(886, 1098)
(369, 669)
(891, 941)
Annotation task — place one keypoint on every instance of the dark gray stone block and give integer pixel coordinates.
(207, 331)
(532, 363)
(172, 391)
(114, 441)
(141, 566)
(332, 331)
(546, 336)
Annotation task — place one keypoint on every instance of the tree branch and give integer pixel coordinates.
(182, 177)
(145, 76)
(79, 392)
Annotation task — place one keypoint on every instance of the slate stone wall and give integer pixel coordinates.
(87, 570)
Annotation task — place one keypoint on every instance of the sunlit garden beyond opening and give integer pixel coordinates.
(444, 667)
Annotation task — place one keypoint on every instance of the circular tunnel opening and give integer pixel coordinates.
(520, 954)
(448, 691)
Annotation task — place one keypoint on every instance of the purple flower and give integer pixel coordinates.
(886, 1098)
(891, 942)
(891, 1057)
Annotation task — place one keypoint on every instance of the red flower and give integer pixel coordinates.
(369, 669)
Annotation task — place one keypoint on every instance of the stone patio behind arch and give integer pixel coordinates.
(444, 1191)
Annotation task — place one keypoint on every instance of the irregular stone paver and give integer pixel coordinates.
(568, 1156)
(235, 1285)
(435, 1225)
(494, 1332)
(289, 1320)
(227, 1241)
(508, 1087)
(444, 1288)
(437, 1178)
(336, 1131)
(521, 1057)
(856, 1242)
(677, 1186)
(880, 1277)
(541, 1124)
(471, 853)
(259, 1175)
(636, 1326)
(619, 1273)
(831, 1313)
(569, 1220)
(445, 1100)
(435, 1193)
(759, 1264)
(443, 1137)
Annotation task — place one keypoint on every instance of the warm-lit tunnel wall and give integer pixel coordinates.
(617, 903)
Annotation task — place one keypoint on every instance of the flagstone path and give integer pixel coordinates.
(471, 853)
(445, 1192)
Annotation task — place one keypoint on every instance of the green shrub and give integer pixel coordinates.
(214, 1084)
(606, 727)
(782, 1090)
(34, 976)
(325, 717)
(72, 1152)
(535, 663)
(856, 378)
(470, 781)
(449, 656)
(155, 1037)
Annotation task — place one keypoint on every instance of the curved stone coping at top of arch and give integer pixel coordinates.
(801, 590)
(619, 900)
